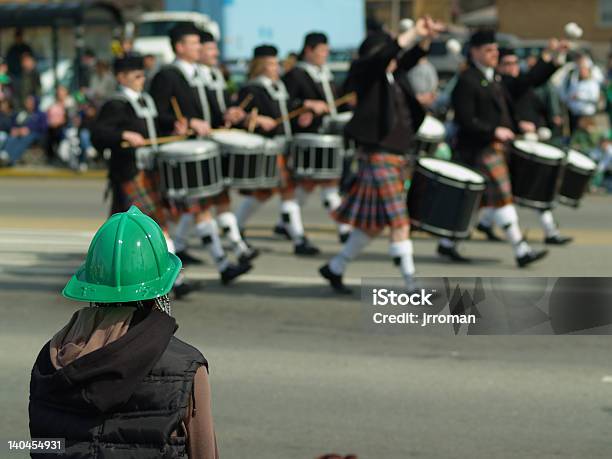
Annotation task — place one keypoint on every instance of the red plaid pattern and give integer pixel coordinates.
(492, 164)
(142, 191)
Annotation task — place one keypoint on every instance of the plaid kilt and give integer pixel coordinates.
(376, 198)
(142, 191)
(492, 164)
(197, 205)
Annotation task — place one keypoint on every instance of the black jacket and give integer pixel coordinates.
(374, 114)
(478, 110)
(123, 400)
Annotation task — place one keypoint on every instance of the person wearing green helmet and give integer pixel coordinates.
(115, 382)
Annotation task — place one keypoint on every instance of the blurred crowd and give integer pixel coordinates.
(571, 106)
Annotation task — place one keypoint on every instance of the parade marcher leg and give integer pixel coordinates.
(229, 226)
(552, 235)
(300, 195)
(181, 236)
(485, 223)
(449, 248)
(401, 251)
(208, 230)
(331, 200)
(292, 220)
(507, 219)
(248, 207)
(334, 270)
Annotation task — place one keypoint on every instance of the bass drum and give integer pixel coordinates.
(576, 177)
(444, 197)
(535, 172)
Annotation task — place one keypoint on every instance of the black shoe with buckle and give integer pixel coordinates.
(488, 231)
(233, 271)
(306, 249)
(530, 257)
(185, 288)
(343, 237)
(280, 230)
(245, 258)
(452, 253)
(557, 239)
(188, 259)
(335, 280)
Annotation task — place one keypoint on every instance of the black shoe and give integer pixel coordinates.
(558, 240)
(305, 248)
(530, 257)
(488, 231)
(343, 237)
(188, 259)
(233, 271)
(452, 253)
(280, 230)
(184, 289)
(335, 281)
(245, 258)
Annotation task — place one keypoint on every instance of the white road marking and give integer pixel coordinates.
(607, 379)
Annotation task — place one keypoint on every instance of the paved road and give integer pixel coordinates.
(293, 372)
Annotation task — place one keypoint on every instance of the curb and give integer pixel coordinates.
(25, 172)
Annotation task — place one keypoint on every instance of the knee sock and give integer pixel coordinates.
(402, 257)
(292, 220)
(208, 231)
(331, 200)
(229, 226)
(487, 216)
(247, 208)
(548, 223)
(357, 241)
(507, 219)
(181, 232)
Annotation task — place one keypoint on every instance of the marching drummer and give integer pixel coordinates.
(180, 95)
(311, 82)
(484, 115)
(266, 93)
(124, 124)
(531, 116)
(376, 198)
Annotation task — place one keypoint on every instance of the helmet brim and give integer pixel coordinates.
(79, 289)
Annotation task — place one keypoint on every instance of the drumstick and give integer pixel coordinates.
(177, 109)
(298, 111)
(245, 101)
(158, 140)
(253, 120)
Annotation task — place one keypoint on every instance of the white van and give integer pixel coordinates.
(152, 33)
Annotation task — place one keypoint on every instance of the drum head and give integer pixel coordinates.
(580, 161)
(189, 147)
(431, 128)
(238, 139)
(318, 140)
(450, 170)
(343, 117)
(539, 149)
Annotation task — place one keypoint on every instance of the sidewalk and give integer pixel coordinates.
(51, 172)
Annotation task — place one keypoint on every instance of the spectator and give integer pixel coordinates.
(5, 81)
(57, 121)
(28, 84)
(29, 126)
(86, 69)
(150, 68)
(102, 84)
(609, 91)
(16, 50)
(581, 92)
(423, 79)
(6, 121)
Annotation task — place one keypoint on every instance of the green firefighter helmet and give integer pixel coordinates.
(127, 260)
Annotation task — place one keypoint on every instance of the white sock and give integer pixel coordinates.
(181, 232)
(229, 225)
(402, 257)
(292, 220)
(247, 208)
(487, 216)
(548, 223)
(301, 196)
(445, 242)
(357, 241)
(507, 219)
(331, 200)
(208, 231)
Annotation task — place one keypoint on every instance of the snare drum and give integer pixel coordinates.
(444, 197)
(576, 177)
(535, 169)
(316, 156)
(430, 134)
(242, 158)
(335, 124)
(190, 169)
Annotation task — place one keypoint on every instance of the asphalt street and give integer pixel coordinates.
(293, 372)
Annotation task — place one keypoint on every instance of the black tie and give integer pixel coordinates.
(142, 102)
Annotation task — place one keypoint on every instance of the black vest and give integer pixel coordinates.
(141, 427)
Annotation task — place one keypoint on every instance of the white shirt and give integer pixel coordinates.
(583, 97)
(188, 68)
(489, 72)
